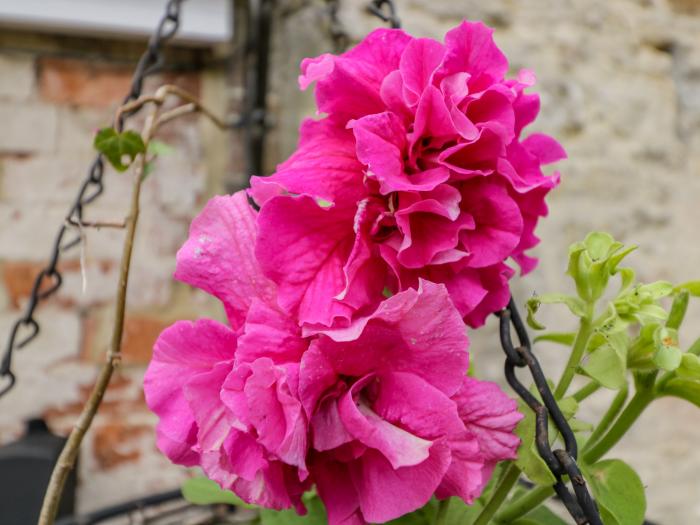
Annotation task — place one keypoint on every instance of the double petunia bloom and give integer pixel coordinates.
(344, 362)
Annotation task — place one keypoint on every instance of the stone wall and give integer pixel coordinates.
(620, 86)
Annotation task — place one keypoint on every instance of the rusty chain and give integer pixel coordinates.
(561, 462)
(49, 280)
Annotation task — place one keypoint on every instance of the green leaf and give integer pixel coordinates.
(678, 310)
(562, 338)
(540, 516)
(120, 149)
(316, 515)
(683, 388)
(607, 366)
(528, 460)
(693, 288)
(618, 491)
(689, 367)
(575, 305)
(203, 491)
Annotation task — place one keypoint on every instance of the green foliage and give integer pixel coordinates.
(202, 491)
(576, 306)
(593, 261)
(562, 338)
(316, 515)
(618, 491)
(119, 148)
(540, 516)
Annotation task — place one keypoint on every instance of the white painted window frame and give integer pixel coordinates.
(204, 22)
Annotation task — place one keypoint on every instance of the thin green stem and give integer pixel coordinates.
(510, 478)
(615, 407)
(442, 511)
(585, 391)
(524, 504)
(627, 418)
(580, 343)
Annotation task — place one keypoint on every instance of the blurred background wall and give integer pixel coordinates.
(620, 87)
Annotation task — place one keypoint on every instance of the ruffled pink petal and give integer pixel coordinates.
(406, 399)
(544, 147)
(427, 235)
(347, 86)
(491, 417)
(416, 331)
(493, 110)
(182, 352)
(303, 248)
(340, 499)
(380, 143)
(494, 279)
(365, 272)
(316, 378)
(476, 158)
(418, 63)
(324, 166)
(268, 332)
(275, 411)
(471, 49)
(433, 117)
(219, 257)
(386, 493)
(328, 429)
(399, 447)
(465, 477)
(499, 223)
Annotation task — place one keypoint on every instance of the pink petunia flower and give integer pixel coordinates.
(379, 415)
(418, 171)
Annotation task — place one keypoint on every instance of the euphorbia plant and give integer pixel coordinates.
(343, 367)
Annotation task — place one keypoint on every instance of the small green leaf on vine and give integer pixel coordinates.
(119, 148)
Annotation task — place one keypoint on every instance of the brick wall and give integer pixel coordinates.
(54, 95)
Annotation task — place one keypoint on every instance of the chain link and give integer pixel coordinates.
(49, 280)
(561, 462)
(386, 11)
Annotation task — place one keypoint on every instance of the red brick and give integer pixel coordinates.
(140, 333)
(113, 443)
(83, 83)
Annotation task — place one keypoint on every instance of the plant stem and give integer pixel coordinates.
(585, 391)
(69, 454)
(617, 404)
(510, 478)
(442, 511)
(580, 343)
(524, 504)
(636, 406)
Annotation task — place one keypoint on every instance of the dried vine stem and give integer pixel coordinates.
(155, 119)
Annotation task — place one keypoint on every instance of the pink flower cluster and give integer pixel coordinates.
(344, 362)
(417, 171)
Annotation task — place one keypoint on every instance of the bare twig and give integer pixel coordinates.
(69, 454)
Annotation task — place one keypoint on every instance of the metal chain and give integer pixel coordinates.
(561, 462)
(386, 11)
(49, 280)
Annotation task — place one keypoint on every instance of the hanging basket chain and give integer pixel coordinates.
(386, 11)
(561, 462)
(49, 279)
